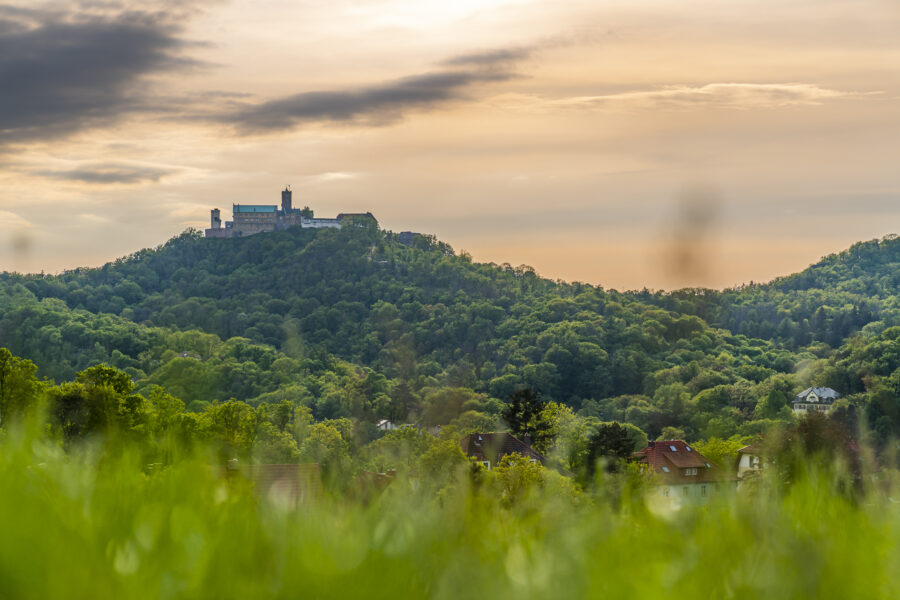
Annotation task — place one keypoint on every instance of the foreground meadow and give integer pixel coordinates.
(96, 523)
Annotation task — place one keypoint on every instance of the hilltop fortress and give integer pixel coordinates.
(248, 219)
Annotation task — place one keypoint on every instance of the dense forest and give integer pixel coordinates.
(352, 324)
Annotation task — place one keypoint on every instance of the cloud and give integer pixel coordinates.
(110, 173)
(334, 176)
(93, 219)
(713, 95)
(489, 57)
(374, 105)
(62, 72)
(10, 220)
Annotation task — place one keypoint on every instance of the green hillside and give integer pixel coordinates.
(443, 338)
(824, 304)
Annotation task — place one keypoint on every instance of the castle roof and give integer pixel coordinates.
(254, 208)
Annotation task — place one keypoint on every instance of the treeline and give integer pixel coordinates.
(202, 368)
(102, 404)
(353, 324)
(421, 315)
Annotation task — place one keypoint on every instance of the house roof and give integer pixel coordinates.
(494, 446)
(753, 449)
(669, 459)
(823, 393)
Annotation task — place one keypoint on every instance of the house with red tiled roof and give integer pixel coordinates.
(681, 473)
(490, 448)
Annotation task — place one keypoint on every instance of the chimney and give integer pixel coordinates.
(527, 439)
(652, 444)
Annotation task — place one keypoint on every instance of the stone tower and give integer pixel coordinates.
(286, 200)
(215, 222)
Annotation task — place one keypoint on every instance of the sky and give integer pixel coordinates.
(626, 143)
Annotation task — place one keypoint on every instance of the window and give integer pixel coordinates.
(688, 448)
(703, 490)
(673, 448)
(690, 471)
(487, 464)
(666, 492)
(665, 469)
(684, 490)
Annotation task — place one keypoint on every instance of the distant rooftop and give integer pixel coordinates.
(824, 393)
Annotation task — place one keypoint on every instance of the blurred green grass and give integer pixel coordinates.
(98, 524)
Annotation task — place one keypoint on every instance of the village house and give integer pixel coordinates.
(814, 399)
(490, 448)
(386, 425)
(682, 474)
(749, 459)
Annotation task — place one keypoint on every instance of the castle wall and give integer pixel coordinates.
(218, 232)
(307, 223)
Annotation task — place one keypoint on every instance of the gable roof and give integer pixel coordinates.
(755, 449)
(670, 458)
(823, 393)
(494, 446)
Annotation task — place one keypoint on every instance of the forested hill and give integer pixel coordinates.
(433, 335)
(871, 268)
(824, 304)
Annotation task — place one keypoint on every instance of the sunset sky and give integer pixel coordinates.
(622, 143)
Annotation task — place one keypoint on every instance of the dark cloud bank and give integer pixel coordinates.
(62, 72)
(110, 173)
(374, 105)
(383, 103)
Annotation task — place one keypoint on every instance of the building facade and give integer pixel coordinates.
(814, 399)
(749, 460)
(681, 474)
(490, 448)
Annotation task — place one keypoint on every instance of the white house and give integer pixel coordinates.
(814, 399)
(749, 459)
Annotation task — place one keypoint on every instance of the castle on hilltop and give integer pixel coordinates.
(248, 219)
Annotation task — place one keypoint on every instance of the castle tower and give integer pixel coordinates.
(286, 200)
(215, 222)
